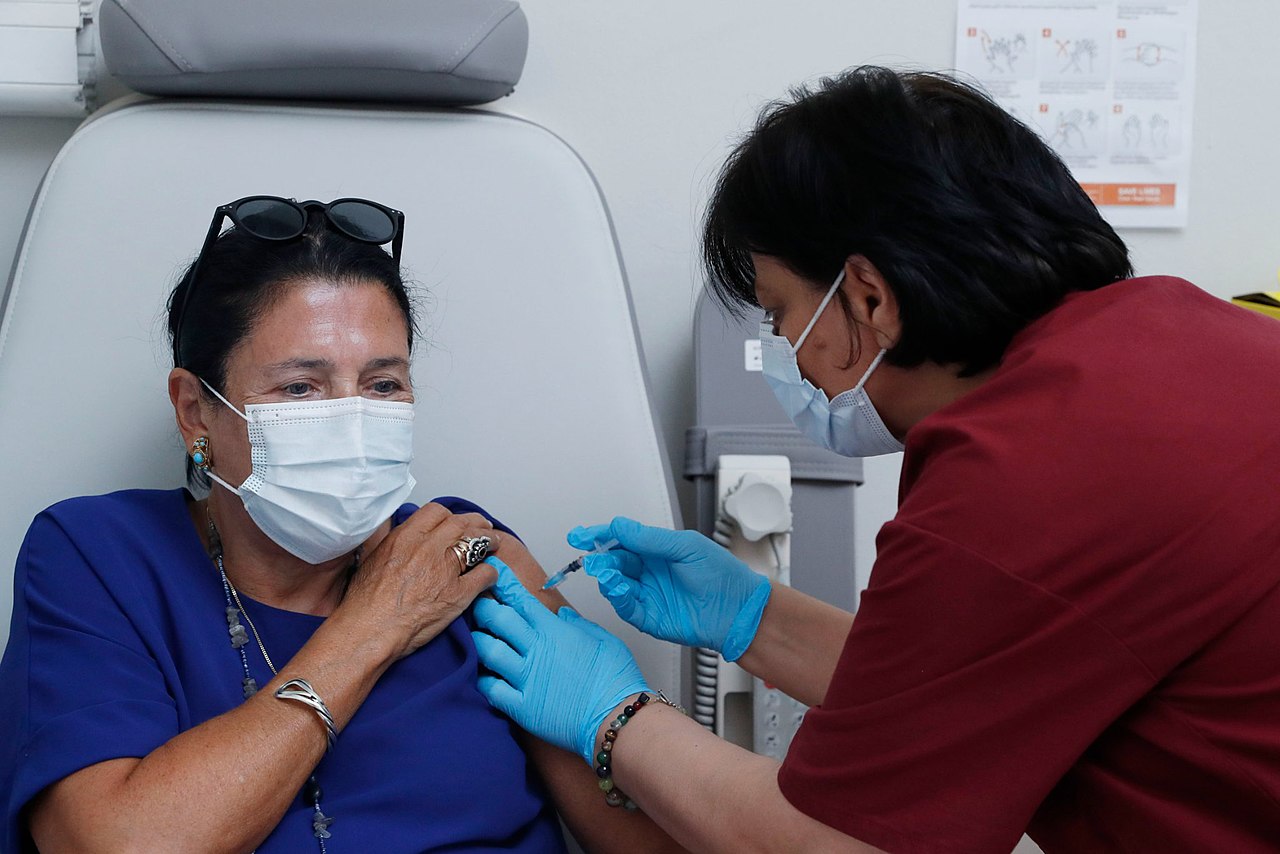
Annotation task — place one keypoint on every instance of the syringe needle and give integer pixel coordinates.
(572, 566)
(576, 564)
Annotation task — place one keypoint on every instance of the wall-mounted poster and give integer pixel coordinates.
(1108, 84)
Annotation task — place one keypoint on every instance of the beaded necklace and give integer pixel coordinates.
(311, 791)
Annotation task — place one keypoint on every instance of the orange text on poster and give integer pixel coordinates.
(1143, 195)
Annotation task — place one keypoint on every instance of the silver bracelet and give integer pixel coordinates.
(301, 690)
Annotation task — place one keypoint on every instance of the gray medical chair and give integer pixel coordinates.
(531, 388)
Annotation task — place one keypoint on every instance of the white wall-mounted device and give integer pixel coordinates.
(49, 62)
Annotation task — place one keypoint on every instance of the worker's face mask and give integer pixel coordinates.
(326, 473)
(848, 424)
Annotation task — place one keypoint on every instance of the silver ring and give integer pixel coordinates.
(471, 551)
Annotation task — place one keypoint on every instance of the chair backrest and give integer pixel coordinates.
(532, 397)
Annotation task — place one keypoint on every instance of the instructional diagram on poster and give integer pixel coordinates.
(1108, 84)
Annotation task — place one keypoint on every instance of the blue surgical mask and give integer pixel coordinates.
(848, 424)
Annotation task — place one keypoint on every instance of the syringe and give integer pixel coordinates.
(576, 564)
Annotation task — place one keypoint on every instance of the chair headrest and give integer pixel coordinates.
(448, 52)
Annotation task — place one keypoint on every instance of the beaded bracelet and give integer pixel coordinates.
(613, 796)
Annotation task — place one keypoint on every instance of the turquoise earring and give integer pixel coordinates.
(200, 453)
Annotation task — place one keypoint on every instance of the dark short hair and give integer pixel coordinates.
(975, 223)
(242, 276)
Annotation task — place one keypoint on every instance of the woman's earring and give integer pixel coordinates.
(200, 453)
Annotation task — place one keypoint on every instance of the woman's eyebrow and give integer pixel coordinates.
(289, 364)
(386, 362)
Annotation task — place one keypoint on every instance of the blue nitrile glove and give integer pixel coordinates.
(676, 585)
(558, 677)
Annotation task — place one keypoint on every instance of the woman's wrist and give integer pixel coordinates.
(612, 715)
(604, 759)
(645, 711)
(343, 661)
(746, 623)
(372, 644)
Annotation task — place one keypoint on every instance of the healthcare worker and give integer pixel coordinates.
(1072, 627)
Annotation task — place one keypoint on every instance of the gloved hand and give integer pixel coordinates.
(558, 677)
(676, 585)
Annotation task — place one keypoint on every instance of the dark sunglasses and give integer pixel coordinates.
(279, 220)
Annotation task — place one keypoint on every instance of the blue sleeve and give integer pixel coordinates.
(461, 505)
(83, 687)
(456, 505)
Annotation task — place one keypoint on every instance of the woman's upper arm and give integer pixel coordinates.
(82, 689)
(516, 555)
(511, 551)
(573, 785)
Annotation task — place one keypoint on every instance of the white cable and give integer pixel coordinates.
(706, 662)
(783, 570)
(705, 677)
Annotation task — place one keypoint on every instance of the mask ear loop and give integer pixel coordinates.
(835, 286)
(875, 363)
(228, 404)
(215, 393)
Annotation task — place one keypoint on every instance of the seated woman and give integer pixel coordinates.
(284, 665)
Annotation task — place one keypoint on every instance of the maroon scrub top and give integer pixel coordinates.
(1072, 626)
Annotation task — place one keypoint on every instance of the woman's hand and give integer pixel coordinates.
(413, 585)
(557, 676)
(676, 585)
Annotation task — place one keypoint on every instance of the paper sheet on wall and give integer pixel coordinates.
(1108, 83)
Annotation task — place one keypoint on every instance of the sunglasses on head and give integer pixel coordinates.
(280, 220)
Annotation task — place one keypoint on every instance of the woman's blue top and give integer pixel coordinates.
(119, 642)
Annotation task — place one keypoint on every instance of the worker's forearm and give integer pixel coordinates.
(225, 784)
(575, 790)
(712, 796)
(798, 644)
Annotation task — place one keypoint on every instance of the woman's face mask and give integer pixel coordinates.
(326, 473)
(848, 424)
